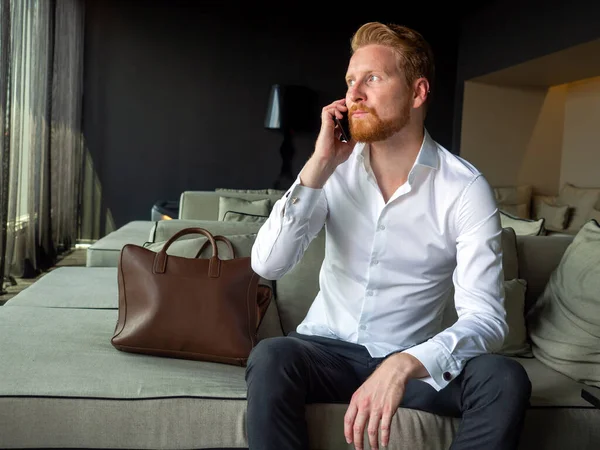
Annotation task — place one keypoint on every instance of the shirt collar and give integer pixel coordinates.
(427, 156)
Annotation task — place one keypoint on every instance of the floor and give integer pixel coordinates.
(76, 257)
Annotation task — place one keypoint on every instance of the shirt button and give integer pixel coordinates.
(447, 376)
(369, 293)
(381, 227)
(363, 327)
(375, 262)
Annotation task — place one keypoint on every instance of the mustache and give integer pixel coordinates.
(361, 107)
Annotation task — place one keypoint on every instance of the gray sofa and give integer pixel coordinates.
(64, 385)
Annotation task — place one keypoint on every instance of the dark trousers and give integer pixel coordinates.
(283, 374)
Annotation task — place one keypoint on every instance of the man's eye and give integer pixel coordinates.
(373, 78)
(350, 82)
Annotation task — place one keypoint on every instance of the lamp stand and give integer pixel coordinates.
(285, 178)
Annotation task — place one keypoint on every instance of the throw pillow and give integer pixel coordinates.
(582, 200)
(231, 216)
(522, 227)
(556, 216)
(513, 195)
(258, 207)
(521, 210)
(564, 324)
(516, 342)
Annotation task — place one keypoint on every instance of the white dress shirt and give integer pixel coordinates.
(389, 267)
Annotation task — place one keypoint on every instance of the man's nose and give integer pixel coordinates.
(355, 93)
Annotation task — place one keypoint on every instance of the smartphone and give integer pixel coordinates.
(344, 127)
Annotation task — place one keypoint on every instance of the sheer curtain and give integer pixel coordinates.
(44, 149)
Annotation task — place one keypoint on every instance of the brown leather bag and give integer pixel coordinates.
(190, 308)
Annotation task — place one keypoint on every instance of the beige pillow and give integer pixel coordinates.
(516, 342)
(231, 216)
(513, 195)
(556, 216)
(523, 227)
(521, 210)
(257, 207)
(564, 324)
(582, 200)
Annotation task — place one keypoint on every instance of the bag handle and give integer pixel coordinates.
(214, 266)
(217, 238)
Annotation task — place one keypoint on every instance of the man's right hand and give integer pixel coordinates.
(329, 152)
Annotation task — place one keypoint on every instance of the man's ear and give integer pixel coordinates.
(421, 91)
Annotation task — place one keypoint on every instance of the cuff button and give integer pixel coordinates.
(447, 376)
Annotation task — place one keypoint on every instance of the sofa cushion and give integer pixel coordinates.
(564, 325)
(581, 200)
(522, 226)
(72, 287)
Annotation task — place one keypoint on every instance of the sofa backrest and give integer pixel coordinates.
(164, 229)
(538, 257)
(204, 205)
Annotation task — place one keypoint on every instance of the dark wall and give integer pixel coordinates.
(175, 92)
(503, 33)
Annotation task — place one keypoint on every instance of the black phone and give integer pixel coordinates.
(344, 127)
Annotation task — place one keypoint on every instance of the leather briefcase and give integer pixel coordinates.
(191, 308)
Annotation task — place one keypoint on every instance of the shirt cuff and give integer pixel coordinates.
(300, 202)
(437, 360)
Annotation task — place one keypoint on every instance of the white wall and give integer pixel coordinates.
(581, 140)
(514, 135)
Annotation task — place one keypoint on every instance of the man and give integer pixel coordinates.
(405, 220)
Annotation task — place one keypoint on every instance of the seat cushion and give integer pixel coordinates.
(72, 287)
(65, 386)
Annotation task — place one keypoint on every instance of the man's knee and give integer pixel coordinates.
(503, 376)
(270, 356)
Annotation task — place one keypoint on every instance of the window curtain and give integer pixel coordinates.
(42, 156)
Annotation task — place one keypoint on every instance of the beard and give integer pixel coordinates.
(372, 129)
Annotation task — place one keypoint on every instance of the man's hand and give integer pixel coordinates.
(378, 399)
(329, 152)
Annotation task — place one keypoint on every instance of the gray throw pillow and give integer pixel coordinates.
(233, 204)
(231, 216)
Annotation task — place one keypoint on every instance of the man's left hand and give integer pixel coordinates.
(378, 399)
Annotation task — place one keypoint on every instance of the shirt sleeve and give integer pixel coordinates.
(479, 290)
(295, 220)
